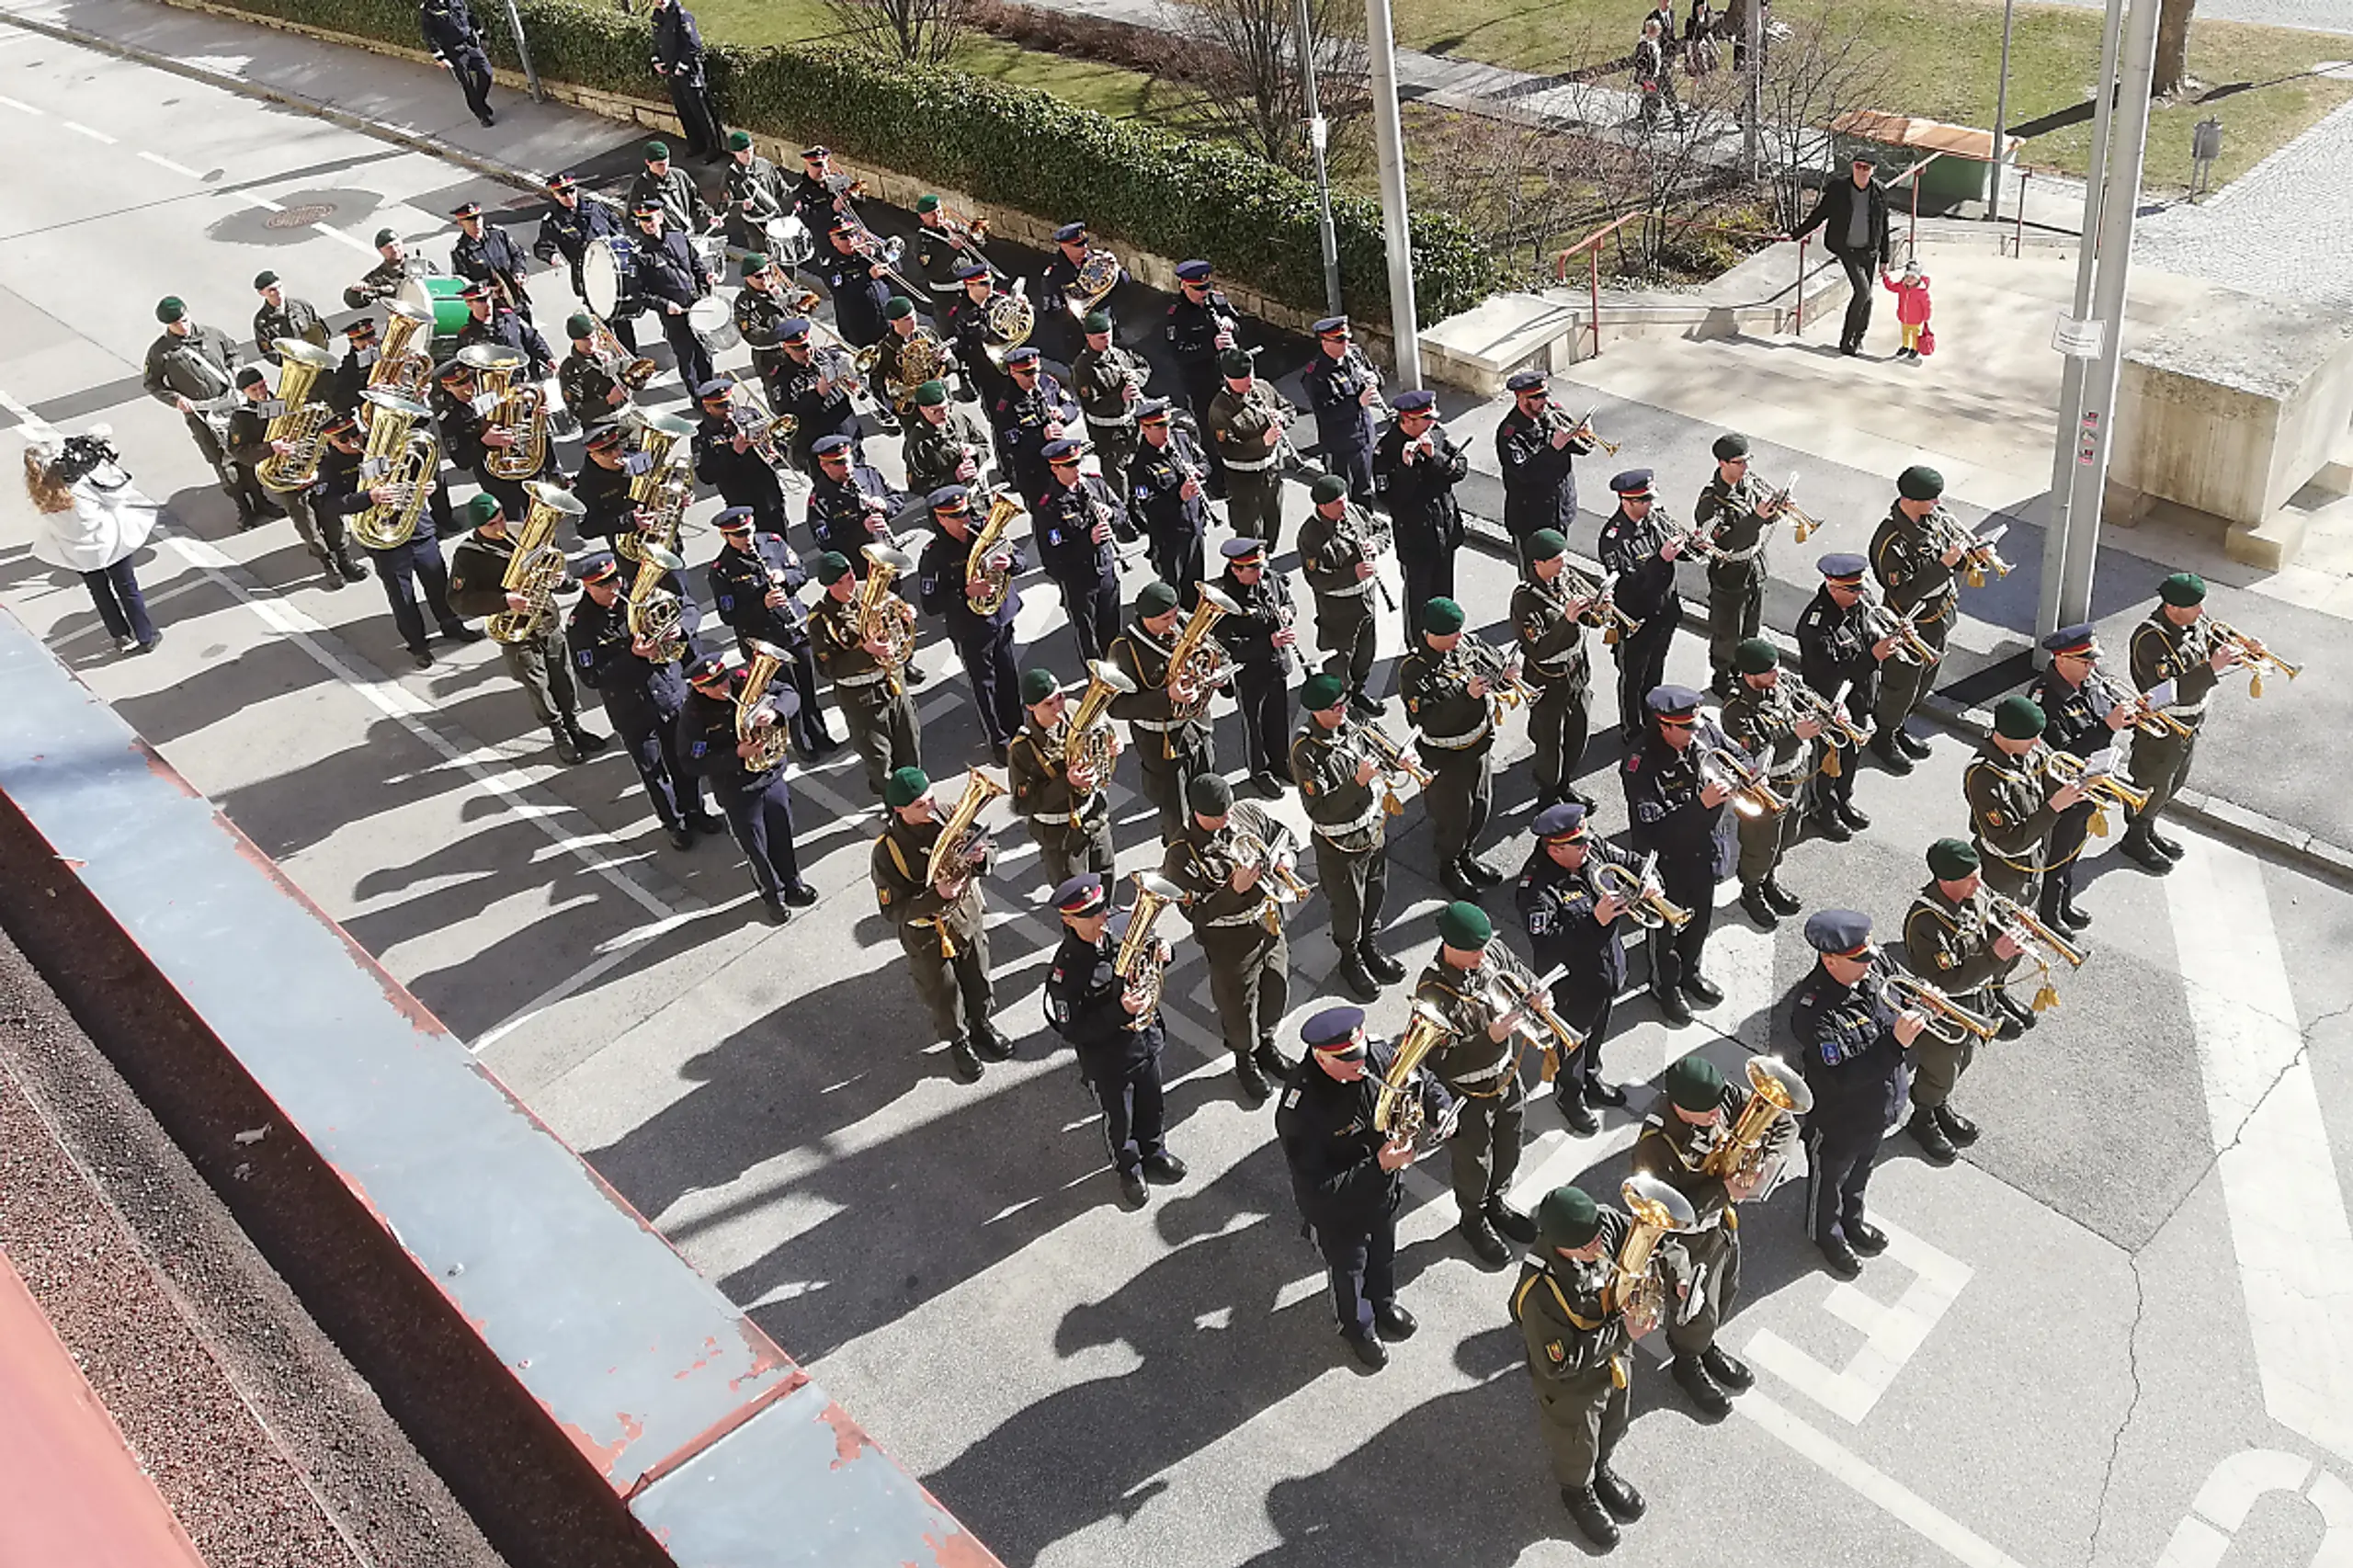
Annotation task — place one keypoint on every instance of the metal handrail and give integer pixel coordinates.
(1591, 247)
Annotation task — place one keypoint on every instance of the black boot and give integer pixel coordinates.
(2168, 847)
(1827, 823)
(349, 569)
(1853, 816)
(2138, 848)
(1783, 901)
(587, 744)
(567, 750)
(1757, 908)
(1616, 1494)
(1382, 966)
(1478, 871)
(1271, 1059)
(1672, 1004)
(1591, 1516)
(1487, 1246)
(1695, 1380)
(1730, 1372)
(1452, 879)
(1894, 761)
(1249, 1079)
(1569, 1103)
(1598, 1094)
(1911, 745)
(1357, 979)
(2076, 918)
(963, 1064)
(1930, 1136)
(1959, 1128)
(1510, 1223)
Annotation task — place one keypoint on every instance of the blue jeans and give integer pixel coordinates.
(115, 591)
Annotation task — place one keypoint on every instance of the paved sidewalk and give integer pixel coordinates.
(2282, 229)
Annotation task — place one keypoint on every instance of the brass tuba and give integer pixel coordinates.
(1198, 663)
(884, 617)
(521, 409)
(1775, 1090)
(984, 565)
(300, 418)
(1092, 741)
(774, 739)
(1397, 1107)
(405, 361)
(1656, 1209)
(402, 454)
(956, 849)
(1138, 963)
(659, 482)
(537, 566)
(654, 614)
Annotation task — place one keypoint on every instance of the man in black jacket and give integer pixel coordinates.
(1852, 216)
(1415, 466)
(678, 60)
(1115, 1031)
(451, 33)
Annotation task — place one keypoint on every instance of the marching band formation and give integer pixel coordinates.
(358, 448)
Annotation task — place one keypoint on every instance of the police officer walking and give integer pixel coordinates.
(983, 635)
(1117, 1032)
(1536, 448)
(1202, 326)
(679, 61)
(566, 229)
(726, 459)
(1857, 1044)
(454, 39)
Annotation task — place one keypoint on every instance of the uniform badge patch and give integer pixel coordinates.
(1557, 1352)
(1634, 762)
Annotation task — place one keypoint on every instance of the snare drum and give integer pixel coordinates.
(604, 273)
(713, 321)
(437, 298)
(789, 243)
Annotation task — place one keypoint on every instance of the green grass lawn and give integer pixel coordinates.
(1941, 60)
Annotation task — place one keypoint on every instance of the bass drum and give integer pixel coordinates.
(790, 242)
(603, 269)
(437, 298)
(713, 321)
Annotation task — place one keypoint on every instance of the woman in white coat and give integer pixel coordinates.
(92, 523)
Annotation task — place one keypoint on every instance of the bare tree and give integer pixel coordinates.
(1524, 189)
(2172, 46)
(1245, 61)
(920, 32)
(1676, 176)
(1811, 77)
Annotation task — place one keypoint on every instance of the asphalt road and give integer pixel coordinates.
(2092, 1324)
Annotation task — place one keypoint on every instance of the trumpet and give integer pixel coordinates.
(2027, 929)
(1140, 964)
(2061, 768)
(1948, 1020)
(1752, 791)
(1885, 620)
(2147, 718)
(1646, 901)
(1782, 504)
(2253, 654)
(1393, 760)
(1555, 420)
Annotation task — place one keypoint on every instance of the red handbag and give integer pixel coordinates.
(1928, 343)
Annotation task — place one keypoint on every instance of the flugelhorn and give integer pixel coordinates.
(2061, 768)
(1831, 713)
(1646, 901)
(2027, 929)
(1948, 1021)
(1784, 504)
(2254, 655)
(1751, 789)
(1555, 420)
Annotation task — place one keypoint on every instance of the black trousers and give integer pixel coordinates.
(1862, 277)
(1361, 1262)
(1642, 665)
(1264, 697)
(761, 819)
(676, 794)
(1582, 1005)
(405, 569)
(472, 68)
(1427, 576)
(1180, 560)
(1838, 1168)
(988, 664)
(114, 592)
(1093, 606)
(691, 98)
(692, 358)
(1356, 467)
(1675, 955)
(1134, 1118)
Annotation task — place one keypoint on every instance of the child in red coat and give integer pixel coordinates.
(1910, 293)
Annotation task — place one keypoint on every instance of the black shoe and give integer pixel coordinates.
(1865, 1237)
(679, 837)
(707, 822)
(997, 752)
(331, 579)
(1853, 816)
(1616, 1494)
(1479, 871)
(777, 913)
(351, 570)
(1267, 785)
(1827, 823)
(1363, 707)
(1510, 1223)
(1894, 761)
(1271, 1060)
(2073, 918)
(1574, 1111)
(801, 895)
(1692, 1376)
(487, 119)
(461, 633)
(1164, 1167)
(2020, 1013)
(989, 1043)
(1911, 745)
(1672, 1004)
(421, 658)
(268, 511)
(1485, 1246)
(1379, 965)
(1598, 1094)
(567, 749)
(1591, 1516)
(1132, 1191)
(1754, 904)
(2168, 847)
(1394, 1322)
(1849, 350)
(1357, 979)
(1249, 1079)
(1959, 1128)
(1452, 879)
(589, 744)
(915, 675)
(1702, 990)
(963, 1064)
(1729, 1371)
(1783, 901)
(1840, 1257)
(2145, 855)
(1367, 1350)
(1926, 1132)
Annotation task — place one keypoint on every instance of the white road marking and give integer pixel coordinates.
(1891, 1335)
(2203, 1537)
(331, 232)
(2279, 1181)
(79, 129)
(24, 108)
(161, 161)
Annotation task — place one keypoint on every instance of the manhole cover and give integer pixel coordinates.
(300, 217)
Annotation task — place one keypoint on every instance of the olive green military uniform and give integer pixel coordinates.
(947, 944)
(1350, 830)
(2010, 817)
(1706, 1262)
(882, 716)
(1736, 569)
(1950, 946)
(1072, 834)
(1101, 381)
(1762, 722)
(1245, 429)
(1240, 933)
(1577, 1353)
(1171, 750)
(2162, 652)
(1330, 549)
(1458, 732)
(1552, 660)
(936, 455)
(1483, 1074)
(1904, 557)
(289, 318)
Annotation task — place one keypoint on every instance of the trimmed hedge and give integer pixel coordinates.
(1016, 146)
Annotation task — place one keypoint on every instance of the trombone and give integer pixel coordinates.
(2254, 656)
(1948, 1020)
(2027, 929)
(1783, 506)
(967, 235)
(1645, 901)
(1752, 791)
(2061, 768)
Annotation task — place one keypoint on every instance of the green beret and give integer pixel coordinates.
(931, 394)
(384, 238)
(1465, 925)
(580, 324)
(2016, 718)
(1951, 859)
(1330, 487)
(832, 567)
(481, 509)
(1754, 656)
(905, 787)
(1320, 693)
(739, 141)
(1098, 321)
(900, 305)
(1234, 362)
(1568, 1218)
(169, 309)
(1443, 617)
(657, 152)
(1210, 795)
(1730, 445)
(754, 261)
(2183, 588)
(1547, 544)
(1037, 686)
(1694, 1083)
(1919, 482)
(927, 202)
(1156, 598)
(265, 280)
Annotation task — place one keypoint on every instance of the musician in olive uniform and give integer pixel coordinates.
(1574, 1330)
(946, 442)
(484, 253)
(190, 367)
(873, 700)
(1167, 495)
(726, 459)
(1479, 1065)
(1068, 805)
(762, 307)
(1345, 1171)
(755, 193)
(941, 921)
(2174, 646)
(1446, 699)
(1675, 814)
(567, 228)
(589, 384)
(1765, 722)
(673, 191)
(1108, 382)
(753, 580)
(1236, 918)
(1545, 616)
(536, 662)
(716, 744)
(1739, 515)
(1340, 783)
(2012, 806)
(1857, 1044)
(280, 316)
(642, 697)
(1115, 1032)
(1343, 390)
(1244, 426)
(1334, 555)
(1915, 570)
(1537, 447)
(1694, 1115)
(1641, 547)
(1840, 659)
(1074, 520)
(1259, 639)
(1573, 925)
(956, 588)
(394, 267)
(1954, 938)
(1203, 327)
(1169, 729)
(1415, 466)
(2086, 718)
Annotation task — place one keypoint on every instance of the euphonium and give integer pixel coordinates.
(1656, 1209)
(1092, 741)
(952, 851)
(1775, 1090)
(884, 616)
(773, 740)
(521, 409)
(984, 565)
(537, 566)
(2254, 655)
(1948, 1020)
(1138, 963)
(1397, 1107)
(401, 454)
(1198, 663)
(299, 420)
(1646, 903)
(404, 363)
(654, 614)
